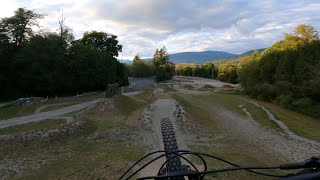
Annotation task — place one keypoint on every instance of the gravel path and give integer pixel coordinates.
(46, 115)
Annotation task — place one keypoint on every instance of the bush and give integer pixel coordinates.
(285, 100)
(302, 103)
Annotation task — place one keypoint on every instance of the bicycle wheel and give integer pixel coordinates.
(170, 145)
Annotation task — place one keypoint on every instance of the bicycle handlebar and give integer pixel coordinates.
(311, 167)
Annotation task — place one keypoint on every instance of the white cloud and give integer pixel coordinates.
(181, 25)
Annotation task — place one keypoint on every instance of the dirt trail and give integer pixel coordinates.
(162, 108)
(46, 115)
(265, 140)
(282, 125)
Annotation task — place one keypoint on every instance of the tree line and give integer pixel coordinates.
(160, 66)
(224, 72)
(54, 63)
(287, 72)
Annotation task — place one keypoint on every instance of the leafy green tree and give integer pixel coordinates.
(163, 67)
(228, 73)
(18, 27)
(209, 70)
(287, 72)
(103, 42)
(139, 68)
(137, 59)
(306, 32)
(52, 63)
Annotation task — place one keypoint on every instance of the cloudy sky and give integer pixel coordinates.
(142, 26)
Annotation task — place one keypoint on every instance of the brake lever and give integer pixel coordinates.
(313, 162)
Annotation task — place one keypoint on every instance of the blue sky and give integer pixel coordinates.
(142, 26)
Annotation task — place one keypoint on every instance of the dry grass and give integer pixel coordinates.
(49, 123)
(107, 145)
(188, 86)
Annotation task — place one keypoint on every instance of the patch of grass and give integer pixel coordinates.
(232, 102)
(298, 123)
(8, 112)
(128, 105)
(199, 114)
(80, 99)
(240, 157)
(91, 161)
(188, 86)
(58, 106)
(81, 156)
(89, 126)
(32, 126)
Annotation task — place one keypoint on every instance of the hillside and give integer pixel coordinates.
(235, 59)
(199, 57)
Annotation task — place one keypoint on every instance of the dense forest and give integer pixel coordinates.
(53, 63)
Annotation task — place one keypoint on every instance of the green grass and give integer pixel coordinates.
(58, 106)
(91, 161)
(298, 123)
(79, 156)
(128, 105)
(199, 115)
(32, 126)
(232, 102)
(188, 86)
(8, 112)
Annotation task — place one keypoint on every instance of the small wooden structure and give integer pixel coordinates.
(112, 89)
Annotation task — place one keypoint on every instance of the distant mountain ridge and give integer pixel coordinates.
(199, 57)
(236, 59)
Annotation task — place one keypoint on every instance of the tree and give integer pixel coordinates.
(163, 67)
(49, 63)
(228, 73)
(160, 57)
(64, 31)
(287, 72)
(306, 32)
(18, 28)
(103, 42)
(137, 59)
